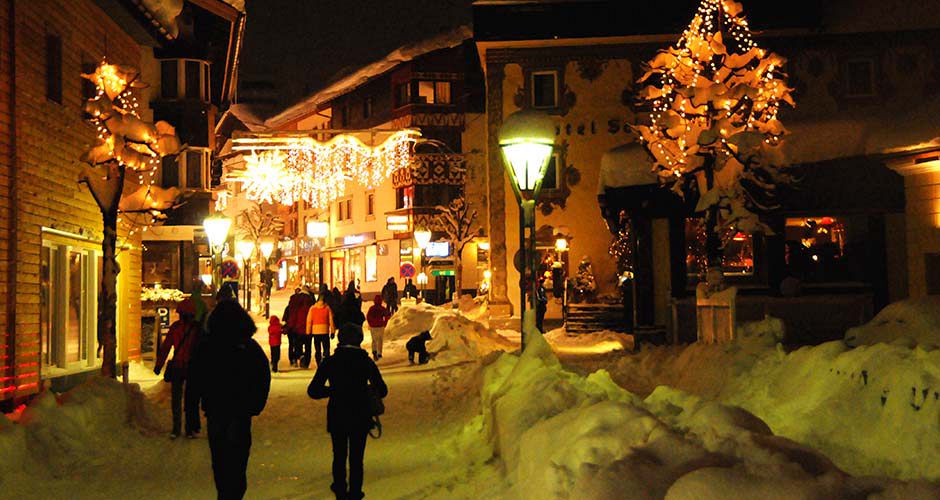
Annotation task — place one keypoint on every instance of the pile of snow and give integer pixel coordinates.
(909, 322)
(455, 337)
(603, 341)
(561, 435)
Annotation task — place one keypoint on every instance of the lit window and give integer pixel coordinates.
(425, 92)
(737, 257)
(68, 302)
(372, 263)
(544, 89)
(816, 249)
(442, 92)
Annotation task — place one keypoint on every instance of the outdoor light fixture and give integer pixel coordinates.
(317, 229)
(527, 139)
(561, 244)
(216, 227)
(423, 281)
(244, 249)
(267, 248)
(422, 238)
(206, 279)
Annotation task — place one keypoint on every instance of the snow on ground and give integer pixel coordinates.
(908, 322)
(595, 342)
(524, 426)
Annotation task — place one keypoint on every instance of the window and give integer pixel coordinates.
(370, 204)
(344, 210)
(404, 197)
(194, 169)
(372, 273)
(193, 80)
(54, 68)
(550, 181)
(442, 92)
(821, 249)
(171, 172)
(403, 94)
(860, 78)
(544, 89)
(69, 281)
(738, 255)
(367, 107)
(423, 92)
(169, 79)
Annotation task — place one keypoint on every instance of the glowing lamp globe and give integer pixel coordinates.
(244, 249)
(217, 227)
(267, 248)
(527, 139)
(561, 244)
(422, 238)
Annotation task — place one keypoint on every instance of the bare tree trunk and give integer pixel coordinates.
(713, 253)
(107, 298)
(458, 274)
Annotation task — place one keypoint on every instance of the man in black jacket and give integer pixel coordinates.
(233, 379)
(351, 375)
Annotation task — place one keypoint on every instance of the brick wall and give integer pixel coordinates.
(50, 139)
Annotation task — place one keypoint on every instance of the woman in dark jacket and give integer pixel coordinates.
(351, 308)
(233, 379)
(351, 374)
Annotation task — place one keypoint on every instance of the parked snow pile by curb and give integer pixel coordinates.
(908, 322)
(61, 434)
(561, 435)
(455, 337)
(599, 342)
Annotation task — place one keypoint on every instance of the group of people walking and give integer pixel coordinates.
(217, 365)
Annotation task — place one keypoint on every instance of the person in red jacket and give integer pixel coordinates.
(183, 336)
(274, 341)
(377, 318)
(295, 318)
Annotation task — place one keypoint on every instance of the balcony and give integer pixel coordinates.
(439, 169)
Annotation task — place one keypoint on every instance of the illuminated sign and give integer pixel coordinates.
(438, 249)
(354, 239)
(398, 223)
(443, 272)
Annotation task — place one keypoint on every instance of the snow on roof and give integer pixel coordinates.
(164, 12)
(245, 114)
(366, 73)
(625, 165)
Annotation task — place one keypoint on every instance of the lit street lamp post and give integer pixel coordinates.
(216, 227)
(527, 140)
(245, 249)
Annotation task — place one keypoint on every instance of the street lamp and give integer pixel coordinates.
(216, 227)
(527, 139)
(245, 249)
(422, 280)
(422, 239)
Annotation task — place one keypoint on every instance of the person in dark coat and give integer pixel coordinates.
(390, 295)
(410, 289)
(295, 317)
(183, 336)
(351, 375)
(233, 379)
(351, 308)
(416, 345)
(541, 306)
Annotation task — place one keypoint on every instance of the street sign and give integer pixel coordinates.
(407, 270)
(443, 272)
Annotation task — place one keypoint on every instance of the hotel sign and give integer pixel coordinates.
(355, 239)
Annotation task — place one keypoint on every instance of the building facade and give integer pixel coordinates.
(366, 236)
(841, 230)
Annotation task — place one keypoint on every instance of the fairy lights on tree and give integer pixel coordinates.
(714, 127)
(125, 143)
(287, 170)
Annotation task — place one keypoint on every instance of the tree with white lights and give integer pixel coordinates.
(459, 221)
(125, 142)
(715, 97)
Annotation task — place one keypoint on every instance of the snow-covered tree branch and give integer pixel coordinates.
(459, 221)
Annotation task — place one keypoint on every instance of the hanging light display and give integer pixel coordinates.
(286, 170)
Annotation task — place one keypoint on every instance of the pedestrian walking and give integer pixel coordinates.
(295, 317)
(377, 317)
(274, 341)
(390, 295)
(411, 291)
(233, 380)
(351, 307)
(182, 338)
(541, 306)
(351, 376)
(320, 325)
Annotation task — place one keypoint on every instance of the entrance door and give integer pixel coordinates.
(337, 272)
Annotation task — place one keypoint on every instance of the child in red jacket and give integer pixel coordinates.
(274, 340)
(377, 317)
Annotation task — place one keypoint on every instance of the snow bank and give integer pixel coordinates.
(455, 337)
(603, 341)
(908, 322)
(60, 434)
(560, 435)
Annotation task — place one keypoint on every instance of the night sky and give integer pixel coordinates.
(300, 45)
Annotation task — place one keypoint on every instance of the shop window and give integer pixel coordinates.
(372, 265)
(54, 68)
(544, 85)
(355, 265)
(68, 292)
(737, 256)
(161, 264)
(860, 78)
(818, 249)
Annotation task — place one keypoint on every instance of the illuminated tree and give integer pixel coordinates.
(459, 222)
(125, 142)
(715, 97)
(254, 223)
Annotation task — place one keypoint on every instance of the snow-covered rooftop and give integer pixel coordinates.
(363, 75)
